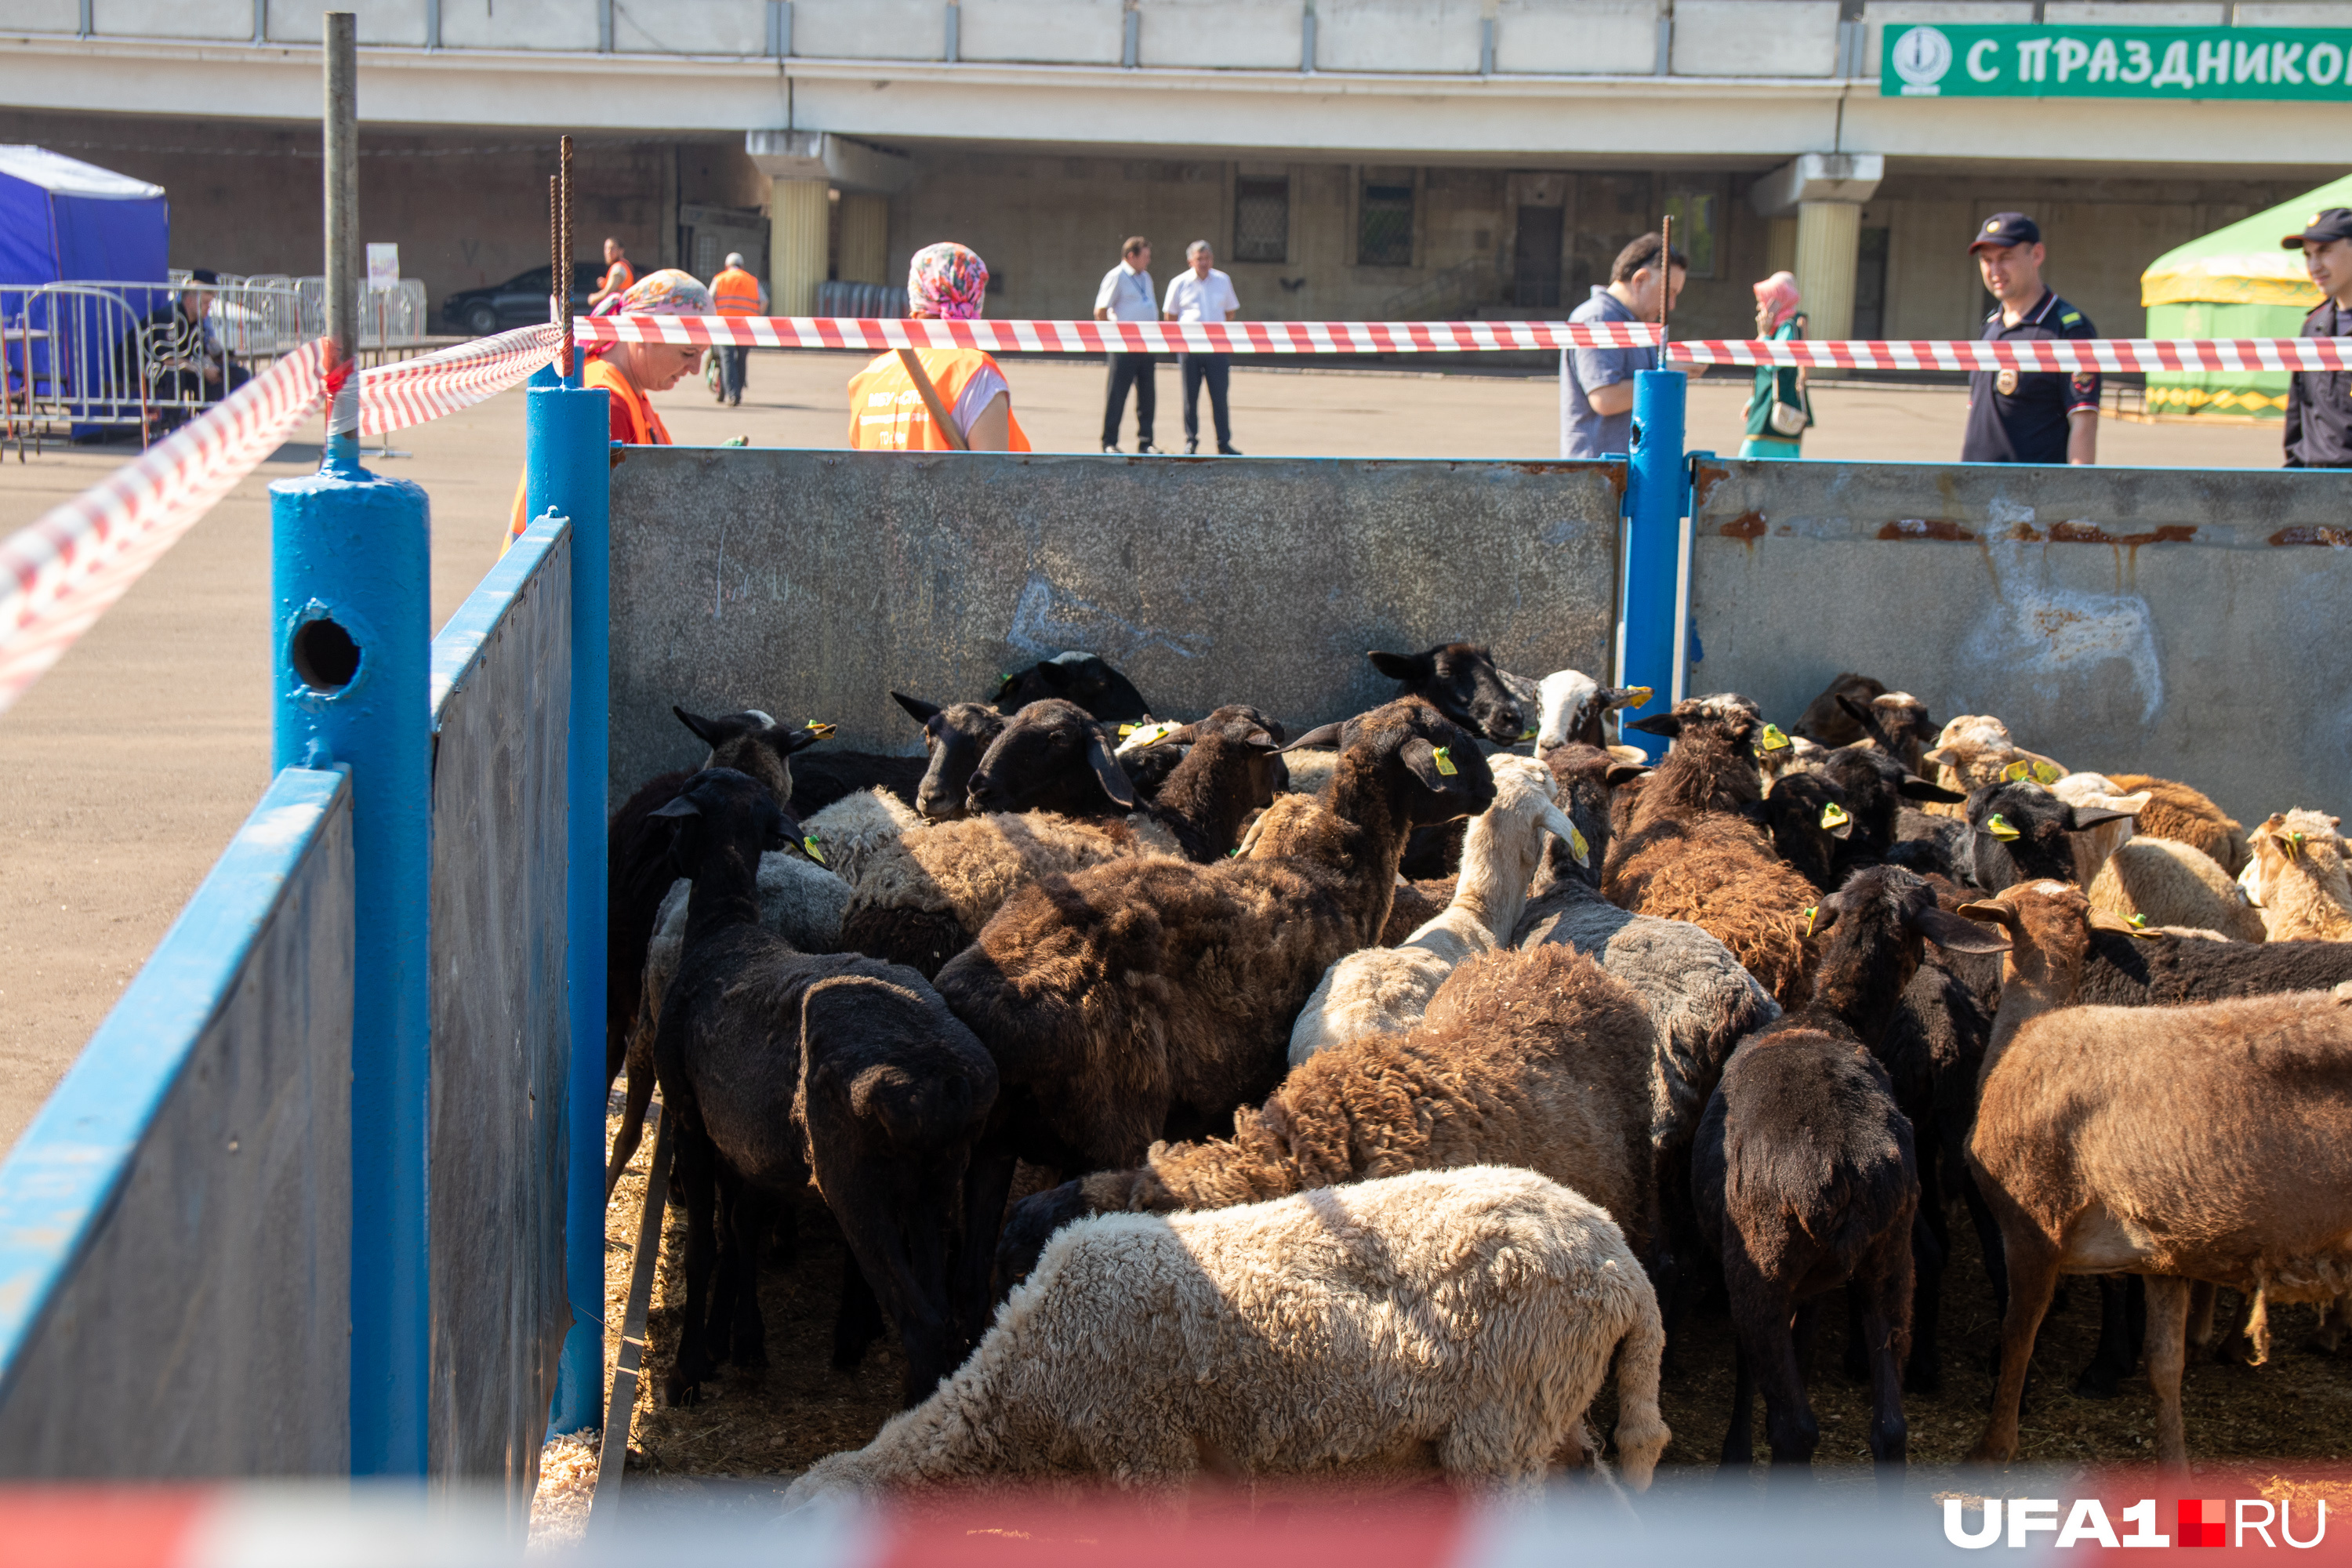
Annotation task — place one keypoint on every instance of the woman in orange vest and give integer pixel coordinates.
(736, 293)
(630, 371)
(887, 413)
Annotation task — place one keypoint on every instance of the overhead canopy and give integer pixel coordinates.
(2245, 263)
(63, 219)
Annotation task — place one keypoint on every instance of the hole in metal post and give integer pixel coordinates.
(325, 657)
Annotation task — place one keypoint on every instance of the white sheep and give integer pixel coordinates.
(2173, 884)
(1464, 1317)
(1569, 705)
(1387, 989)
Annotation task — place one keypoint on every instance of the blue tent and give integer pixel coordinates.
(62, 220)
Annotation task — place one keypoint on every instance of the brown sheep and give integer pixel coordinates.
(2202, 1143)
(2176, 812)
(1691, 857)
(1538, 1059)
(2297, 874)
(2169, 883)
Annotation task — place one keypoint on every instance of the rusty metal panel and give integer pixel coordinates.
(2185, 623)
(175, 1266)
(811, 582)
(502, 685)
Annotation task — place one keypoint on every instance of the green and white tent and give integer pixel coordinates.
(2236, 282)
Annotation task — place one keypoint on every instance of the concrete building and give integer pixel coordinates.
(1349, 158)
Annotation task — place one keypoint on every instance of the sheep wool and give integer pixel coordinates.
(2296, 873)
(1465, 1317)
(2173, 884)
(2187, 817)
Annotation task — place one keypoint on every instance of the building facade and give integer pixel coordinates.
(1349, 159)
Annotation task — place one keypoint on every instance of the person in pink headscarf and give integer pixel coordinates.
(887, 413)
(1779, 411)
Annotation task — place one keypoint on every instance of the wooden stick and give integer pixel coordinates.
(612, 1455)
(942, 420)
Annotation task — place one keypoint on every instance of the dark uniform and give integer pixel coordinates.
(2318, 432)
(2022, 416)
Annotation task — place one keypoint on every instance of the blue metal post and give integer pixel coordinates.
(350, 572)
(567, 471)
(1657, 497)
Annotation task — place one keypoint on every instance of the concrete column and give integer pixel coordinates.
(864, 238)
(798, 219)
(1829, 238)
(1780, 245)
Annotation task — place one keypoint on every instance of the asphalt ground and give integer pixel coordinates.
(125, 771)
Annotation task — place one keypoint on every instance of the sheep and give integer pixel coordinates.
(779, 1068)
(1145, 999)
(1692, 856)
(1050, 756)
(1826, 719)
(1896, 720)
(1459, 679)
(924, 900)
(2295, 869)
(1804, 1167)
(2186, 816)
(1386, 989)
(1700, 1001)
(831, 777)
(1973, 753)
(2169, 883)
(1807, 818)
(2198, 1142)
(1537, 1059)
(1076, 677)
(636, 850)
(2092, 848)
(2019, 831)
(857, 832)
(1461, 1319)
(1570, 706)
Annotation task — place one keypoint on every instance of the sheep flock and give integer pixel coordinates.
(1387, 1102)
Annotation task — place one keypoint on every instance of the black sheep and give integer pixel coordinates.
(777, 1065)
(1804, 1168)
(1074, 676)
(953, 739)
(1051, 756)
(2017, 833)
(1459, 679)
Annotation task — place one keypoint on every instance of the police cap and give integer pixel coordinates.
(2333, 222)
(2005, 229)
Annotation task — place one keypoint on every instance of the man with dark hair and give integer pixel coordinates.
(178, 351)
(2027, 416)
(1599, 415)
(2319, 402)
(1125, 295)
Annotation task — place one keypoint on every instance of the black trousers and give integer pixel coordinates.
(1213, 368)
(731, 371)
(1127, 370)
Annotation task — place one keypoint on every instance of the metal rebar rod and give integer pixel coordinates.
(342, 203)
(563, 280)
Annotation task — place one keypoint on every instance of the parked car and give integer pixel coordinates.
(519, 302)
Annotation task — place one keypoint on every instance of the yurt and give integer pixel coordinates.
(2236, 282)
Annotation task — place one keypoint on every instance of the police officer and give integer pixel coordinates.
(2046, 416)
(2319, 402)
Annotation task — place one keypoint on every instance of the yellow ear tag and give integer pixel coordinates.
(814, 853)
(1577, 842)
(2047, 772)
(1152, 734)
(2294, 843)
(1636, 696)
(1126, 730)
(1773, 740)
(2139, 920)
(2016, 772)
(1833, 816)
(1813, 913)
(2000, 828)
(822, 730)
(1445, 761)
(1529, 734)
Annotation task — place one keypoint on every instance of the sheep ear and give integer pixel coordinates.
(790, 741)
(2107, 919)
(1624, 773)
(1057, 676)
(1113, 778)
(1402, 665)
(1862, 716)
(786, 832)
(681, 806)
(708, 730)
(1990, 912)
(1557, 821)
(1321, 736)
(1624, 697)
(1914, 787)
(1258, 740)
(1667, 724)
(923, 712)
(1422, 757)
(1942, 756)
(2091, 817)
(1954, 934)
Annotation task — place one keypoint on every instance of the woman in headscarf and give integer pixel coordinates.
(1779, 411)
(887, 411)
(630, 371)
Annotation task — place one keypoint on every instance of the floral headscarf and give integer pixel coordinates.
(667, 292)
(1777, 294)
(946, 280)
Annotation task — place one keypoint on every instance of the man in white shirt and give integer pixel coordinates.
(1127, 295)
(1204, 294)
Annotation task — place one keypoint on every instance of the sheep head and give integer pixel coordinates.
(1428, 770)
(2047, 925)
(956, 737)
(1074, 676)
(722, 810)
(1570, 706)
(1459, 679)
(751, 743)
(1050, 756)
(2020, 831)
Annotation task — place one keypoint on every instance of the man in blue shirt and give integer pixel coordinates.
(1601, 381)
(2027, 416)
(1127, 295)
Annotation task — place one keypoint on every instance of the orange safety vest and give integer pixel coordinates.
(621, 271)
(645, 428)
(887, 413)
(735, 292)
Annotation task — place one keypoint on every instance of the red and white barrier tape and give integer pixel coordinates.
(63, 571)
(2031, 354)
(1115, 337)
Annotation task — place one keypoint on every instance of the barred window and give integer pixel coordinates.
(1384, 227)
(1261, 220)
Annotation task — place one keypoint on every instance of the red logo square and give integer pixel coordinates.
(2202, 1522)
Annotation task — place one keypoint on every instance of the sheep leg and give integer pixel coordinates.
(987, 1182)
(1996, 1264)
(2202, 1296)
(1924, 1370)
(1789, 1424)
(1740, 1442)
(2168, 1323)
(2116, 1354)
(725, 1277)
(2326, 1339)
(633, 1126)
(693, 1168)
(749, 1219)
(1888, 1298)
(859, 1322)
(2032, 1276)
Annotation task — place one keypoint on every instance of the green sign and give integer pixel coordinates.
(2019, 60)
